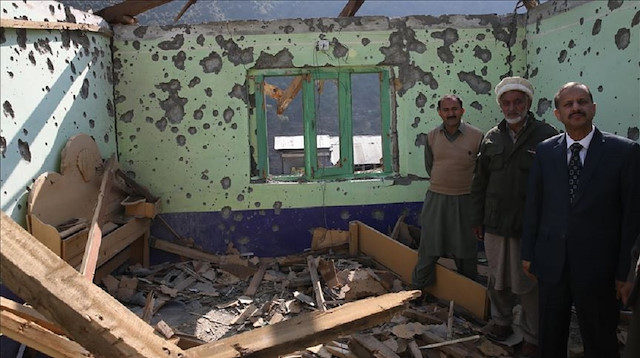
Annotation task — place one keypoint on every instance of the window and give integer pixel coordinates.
(321, 123)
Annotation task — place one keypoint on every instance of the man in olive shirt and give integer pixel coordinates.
(498, 196)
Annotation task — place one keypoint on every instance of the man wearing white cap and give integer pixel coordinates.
(498, 196)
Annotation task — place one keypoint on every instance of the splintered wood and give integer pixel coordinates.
(318, 304)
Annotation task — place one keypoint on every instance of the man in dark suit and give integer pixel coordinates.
(581, 220)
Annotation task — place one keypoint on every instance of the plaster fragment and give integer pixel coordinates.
(623, 37)
(421, 139)
(204, 175)
(136, 45)
(476, 105)
(25, 152)
(32, 58)
(225, 182)
(633, 133)
(211, 63)
(181, 140)
(477, 83)
(7, 109)
(200, 40)
(174, 44)
(3, 146)
(416, 122)
(365, 41)
(192, 130)
(636, 19)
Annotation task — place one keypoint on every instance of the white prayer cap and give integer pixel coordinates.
(514, 84)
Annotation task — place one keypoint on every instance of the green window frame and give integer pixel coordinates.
(342, 77)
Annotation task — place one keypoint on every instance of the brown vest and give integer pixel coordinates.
(453, 162)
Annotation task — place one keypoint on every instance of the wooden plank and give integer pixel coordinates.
(92, 249)
(184, 251)
(377, 348)
(353, 238)
(256, 280)
(32, 334)
(401, 259)
(308, 329)
(315, 281)
(49, 25)
(90, 316)
(29, 314)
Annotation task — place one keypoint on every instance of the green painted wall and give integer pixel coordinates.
(180, 120)
(53, 84)
(183, 118)
(596, 43)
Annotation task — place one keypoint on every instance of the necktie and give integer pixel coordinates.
(575, 167)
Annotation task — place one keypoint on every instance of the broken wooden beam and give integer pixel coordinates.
(90, 316)
(401, 259)
(256, 280)
(308, 329)
(126, 11)
(94, 240)
(317, 287)
(29, 314)
(33, 335)
(374, 346)
(184, 251)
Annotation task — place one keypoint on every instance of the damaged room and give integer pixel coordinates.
(185, 178)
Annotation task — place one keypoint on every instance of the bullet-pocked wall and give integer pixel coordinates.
(182, 117)
(54, 84)
(593, 42)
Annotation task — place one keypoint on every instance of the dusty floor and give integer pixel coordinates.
(209, 308)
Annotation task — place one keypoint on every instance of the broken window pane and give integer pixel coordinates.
(285, 132)
(367, 122)
(327, 124)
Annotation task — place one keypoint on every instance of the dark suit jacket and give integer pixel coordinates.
(595, 233)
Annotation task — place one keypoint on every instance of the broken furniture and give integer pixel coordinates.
(79, 215)
(401, 259)
(104, 327)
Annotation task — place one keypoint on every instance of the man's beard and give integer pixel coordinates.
(514, 120)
